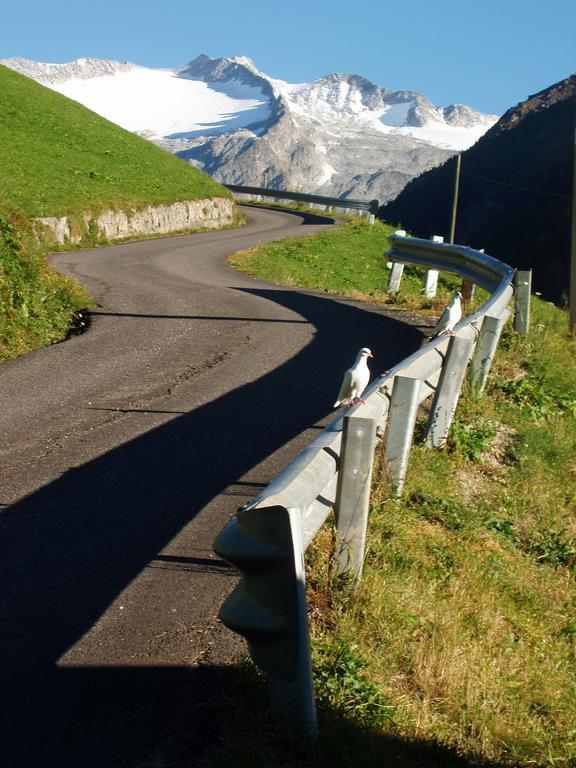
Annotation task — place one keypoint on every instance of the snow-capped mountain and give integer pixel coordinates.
(340, 135)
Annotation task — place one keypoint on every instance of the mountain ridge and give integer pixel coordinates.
(339, 135)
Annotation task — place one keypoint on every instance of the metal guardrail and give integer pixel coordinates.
(481, 269)
(370, 206)
(267, 539)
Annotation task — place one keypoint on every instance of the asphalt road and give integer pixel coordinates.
(124, 451)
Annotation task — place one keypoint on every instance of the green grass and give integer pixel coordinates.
(460, 646)
(349, 262)
(470, 579)
(57, 157)
(39, 306)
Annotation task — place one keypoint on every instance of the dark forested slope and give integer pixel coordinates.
(515, 190)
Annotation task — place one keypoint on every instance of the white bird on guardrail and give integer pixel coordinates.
(355, 380)
(451, 315)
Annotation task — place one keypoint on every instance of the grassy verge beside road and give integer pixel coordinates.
(349, 262)
(39, 305)
(460, 647)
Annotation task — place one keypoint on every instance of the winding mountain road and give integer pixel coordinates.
(124, 451)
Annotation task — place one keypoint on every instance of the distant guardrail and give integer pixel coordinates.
(267, 539)
(368, 206)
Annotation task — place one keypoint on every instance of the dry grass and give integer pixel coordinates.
(466, 617)
(462, 637)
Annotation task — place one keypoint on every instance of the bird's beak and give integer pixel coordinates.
(370, 354)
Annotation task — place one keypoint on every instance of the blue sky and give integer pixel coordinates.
(489, 54)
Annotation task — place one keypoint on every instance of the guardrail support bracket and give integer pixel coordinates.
(395, 278)
(431, 283)
(485, 351)
(401, 421)
(268, 607)
(448, 391)
(353, 492)
(523, 287)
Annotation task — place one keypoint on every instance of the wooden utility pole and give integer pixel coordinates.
(455, 200)
(467, 285)
(573, 240)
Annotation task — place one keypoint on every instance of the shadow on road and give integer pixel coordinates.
(307, 216)
(69, 549)
(116, 717)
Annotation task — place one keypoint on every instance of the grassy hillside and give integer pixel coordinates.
(460, 647)
(57, 157)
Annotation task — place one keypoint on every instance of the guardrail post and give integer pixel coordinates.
(448, 391)
(268, 607)
(397, 269)
(395, 277)
(353, 492)
(401, 421)
(431, 281)
(485, 350)
(523, 286)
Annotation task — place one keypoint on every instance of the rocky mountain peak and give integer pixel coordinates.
(354, 81)
(422, 112)
(244, 61)
(338, 96)
(558, 92)
(81, 69)
(238, 68)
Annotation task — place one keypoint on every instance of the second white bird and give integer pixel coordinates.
(451, 315)
(355, 380)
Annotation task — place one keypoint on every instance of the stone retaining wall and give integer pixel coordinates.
(211, 213)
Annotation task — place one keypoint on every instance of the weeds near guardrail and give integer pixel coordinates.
(470, 439)
(465, 618)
